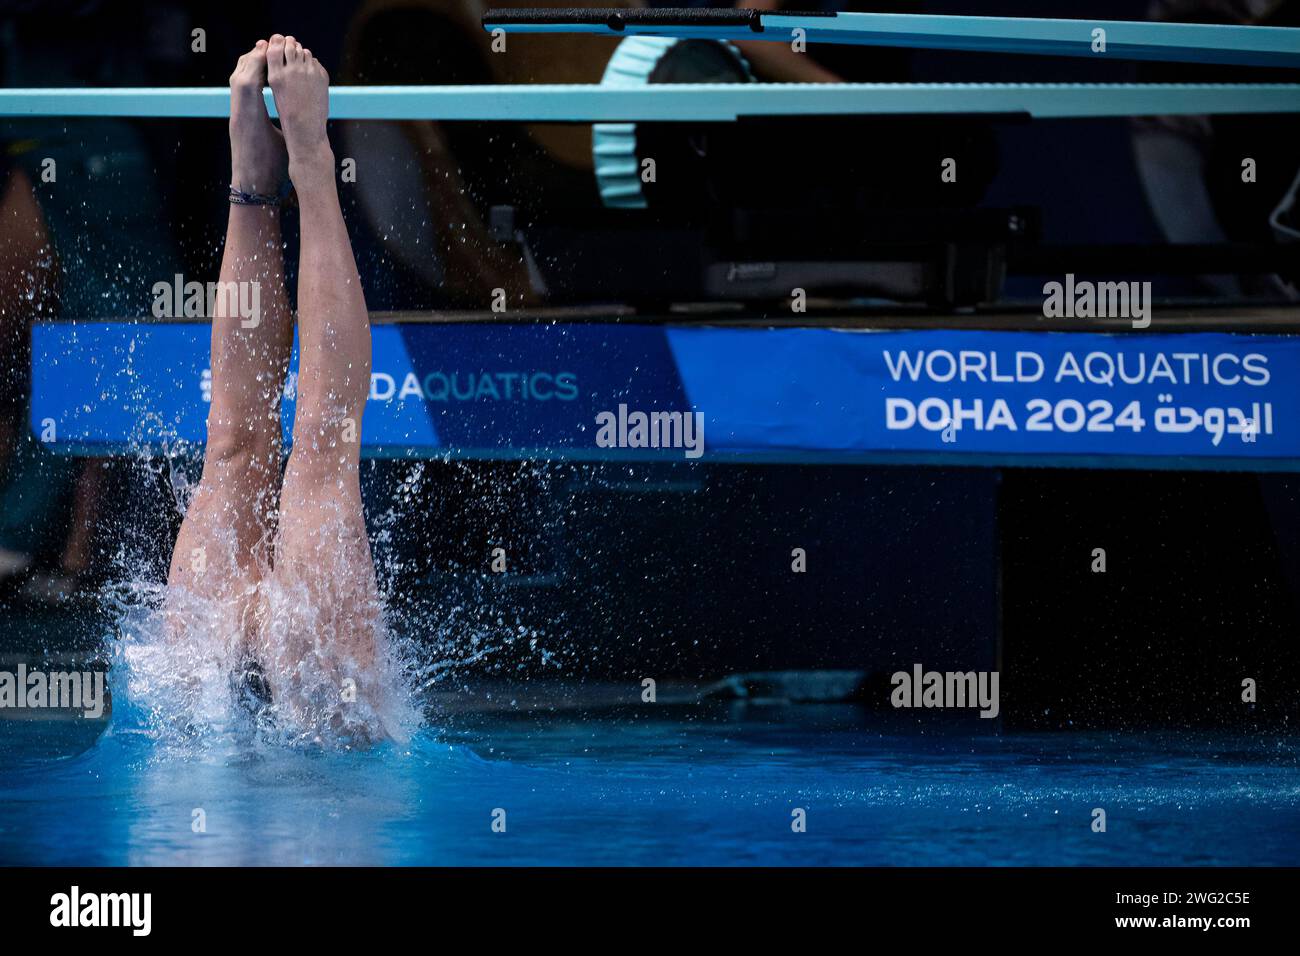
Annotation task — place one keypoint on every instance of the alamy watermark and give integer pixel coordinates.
(197, 300)
(922, 688)
(74, 908)
(56, 690)
(634, 429)
(1098, 300)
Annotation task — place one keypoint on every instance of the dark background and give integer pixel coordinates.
(686, 568)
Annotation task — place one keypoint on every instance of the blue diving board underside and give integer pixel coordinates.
(1124, 39)
(790, 395)
(700, 102)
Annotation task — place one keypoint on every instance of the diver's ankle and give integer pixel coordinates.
(314, 168)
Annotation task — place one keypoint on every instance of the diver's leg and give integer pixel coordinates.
(322, 554)
(226, 530)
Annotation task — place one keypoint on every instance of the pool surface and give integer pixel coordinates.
(714, 783)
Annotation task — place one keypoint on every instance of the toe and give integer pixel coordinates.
(275, 54)
(245, 72)
(254, 61)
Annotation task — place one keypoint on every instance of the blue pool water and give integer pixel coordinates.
(700, 784)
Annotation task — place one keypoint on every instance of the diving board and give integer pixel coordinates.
(540, 391)
(1117, 39)
(685, 102)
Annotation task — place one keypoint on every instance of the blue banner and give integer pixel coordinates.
(622, 391)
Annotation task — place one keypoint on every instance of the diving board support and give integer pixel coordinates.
(1123, 39)
(684, 102)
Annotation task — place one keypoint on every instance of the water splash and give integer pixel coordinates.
(181, 660)
(181, 685)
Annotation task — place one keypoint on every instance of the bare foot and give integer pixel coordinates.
(257, 153)
(301, 87)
